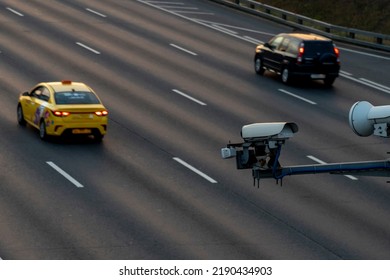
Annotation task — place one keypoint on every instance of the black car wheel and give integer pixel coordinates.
(20, 115)
(259, 65)
(98, 137)
(285, 75)
(328, 81)
(42, 130)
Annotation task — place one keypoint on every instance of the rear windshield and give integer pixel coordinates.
(313, 48)
(76, 97)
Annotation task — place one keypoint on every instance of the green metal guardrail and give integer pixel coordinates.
(339, 33)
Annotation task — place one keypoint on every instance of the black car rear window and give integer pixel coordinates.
(76, 97)
(293, 46)
(313, 48)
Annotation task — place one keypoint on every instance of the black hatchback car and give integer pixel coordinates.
(294, 55)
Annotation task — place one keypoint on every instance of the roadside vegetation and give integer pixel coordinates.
(369, 15)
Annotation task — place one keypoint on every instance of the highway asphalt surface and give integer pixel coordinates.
(177, 77)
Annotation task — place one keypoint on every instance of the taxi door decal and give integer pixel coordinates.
(38, 114)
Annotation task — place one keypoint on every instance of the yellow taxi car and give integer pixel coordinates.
(63, 108)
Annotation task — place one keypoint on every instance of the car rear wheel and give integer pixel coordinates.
(20, 115)
(259, 65)
(285, 75)
(98, 137)
(42, 130)
(328, 81)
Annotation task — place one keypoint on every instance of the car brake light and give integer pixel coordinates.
(337, 53)
(301, 50)
(61, 114)
(101, 113)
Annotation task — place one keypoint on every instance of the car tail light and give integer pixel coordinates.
(101, 113)
(301, 50)
(337, 53)
(61, 114)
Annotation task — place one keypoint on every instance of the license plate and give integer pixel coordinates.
(81, 131)
(82, 116)
(317, 76)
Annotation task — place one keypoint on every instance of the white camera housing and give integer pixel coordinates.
(366, 119)
(268, 131)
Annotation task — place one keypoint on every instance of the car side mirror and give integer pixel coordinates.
(26, 93)
(267, 45)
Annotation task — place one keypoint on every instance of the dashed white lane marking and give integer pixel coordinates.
(182, 162)
(297, 96)
(183, 49)
(66, 175)
(189, 97)
(88, 48)
(323, 162)
(95, 12)
(15, 12)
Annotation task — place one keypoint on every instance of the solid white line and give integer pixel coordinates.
(297, 96)
(189, 97)
(66, 175)
(235, 27)
(346, 73)
(375, 84)
(88, 48)
(182, 49)
(164, 2)
(191, 19)
(95, 12)
(225, 30)
(366, 54)
(177, 7)
(182, 162)
(257, 42)
(368, 83)
(15, 12)
(323, 162)
(194, 13)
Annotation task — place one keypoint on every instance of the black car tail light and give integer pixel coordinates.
(301, 51)
(337, 53)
